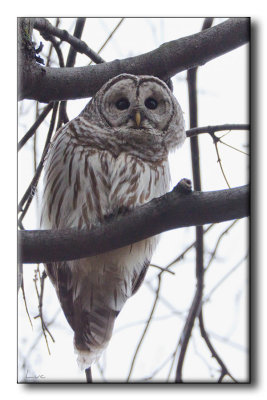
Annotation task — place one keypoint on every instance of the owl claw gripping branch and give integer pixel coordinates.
(113, 156)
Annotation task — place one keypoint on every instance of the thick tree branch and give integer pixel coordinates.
(173, 210)
(45, 84)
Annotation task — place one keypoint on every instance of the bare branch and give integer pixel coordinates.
(216, 128)
(79, 27)
(24, 299)
(224, 369)
(173, 210)
(36, 124)
(184, 252)
(56, 44)
(44, 26)
(226, 276)
(63, 116)
(51, 45)
(220, 163)
(146, 327)
(232, 147)
(46, 84)
(218, 242)
(28, 195)
(109, 37)
(196, 304)
(186, 333)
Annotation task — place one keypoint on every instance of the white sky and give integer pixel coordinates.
(200, 8)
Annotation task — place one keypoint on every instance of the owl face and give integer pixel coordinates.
(138, 111)
(138, 103)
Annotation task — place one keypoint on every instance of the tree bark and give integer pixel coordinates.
(173, 210)
(45, 84)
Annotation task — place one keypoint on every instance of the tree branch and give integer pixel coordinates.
(36, 125)
(45, 84)
(44, 26)
(173, 210)
(71, 59)
(195, 157)
(211, 129)
(32, 187)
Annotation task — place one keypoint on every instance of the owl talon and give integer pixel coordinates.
(119, 211)
(184, 186)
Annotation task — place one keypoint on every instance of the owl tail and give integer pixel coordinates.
(92, 295)
(92, 335)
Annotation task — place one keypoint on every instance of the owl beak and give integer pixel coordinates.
(138, 118)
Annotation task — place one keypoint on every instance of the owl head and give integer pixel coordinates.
(139, 106)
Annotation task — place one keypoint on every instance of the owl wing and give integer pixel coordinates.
(82, 186)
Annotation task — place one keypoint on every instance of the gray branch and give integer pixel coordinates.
(45, 84)
(173, 210)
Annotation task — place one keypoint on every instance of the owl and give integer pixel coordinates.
(111, 158)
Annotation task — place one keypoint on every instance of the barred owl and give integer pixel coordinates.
(111, 158)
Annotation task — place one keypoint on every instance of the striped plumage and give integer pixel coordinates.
(102, 163)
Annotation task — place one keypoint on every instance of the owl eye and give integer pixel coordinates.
(151, 103)
(122, 104)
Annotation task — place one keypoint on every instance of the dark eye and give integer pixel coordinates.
(151, 103)
(122, 104)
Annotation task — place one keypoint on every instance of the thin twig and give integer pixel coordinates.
(218, 242)
(44, 26)
(101, 370)
(143, 322)
(158, 369)
(51, 46)
(63, 116)
(28, 195)
(40, 307)
(186, 333)
(202, 357)
(165, 302)
(34, 344)
(227, 341)
(19, 276)
(173, 360)
(146, 327)
(36, 124)
(109, 37)
(207, 297)
(220, 163)
(56, 44)
(41, 304)
(190, 247)
(162, 269)
(25, 302)
(232, 147)
(216, 128)
(224, 370)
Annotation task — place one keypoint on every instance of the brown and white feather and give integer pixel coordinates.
(95, 168)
